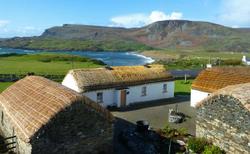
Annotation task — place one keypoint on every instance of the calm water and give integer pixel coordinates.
(110, 58)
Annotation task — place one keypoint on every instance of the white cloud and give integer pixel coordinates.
(132, 20)
(4, 23)
(8, 31)
(140, 19)
(235, 12)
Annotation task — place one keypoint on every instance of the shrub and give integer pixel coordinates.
(167, 131)
(197, 144)
(182, 131)
(233, 62)
(213, 150)
(45, 60)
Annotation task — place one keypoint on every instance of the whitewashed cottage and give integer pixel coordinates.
(245, 60)
(213, 79)
(122, 85)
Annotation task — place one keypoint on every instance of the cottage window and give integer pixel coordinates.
(144, 91)
(165, 88)
(100, 97)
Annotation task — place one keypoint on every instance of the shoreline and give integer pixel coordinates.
(67, 50)
(146, 59)
(158, 56)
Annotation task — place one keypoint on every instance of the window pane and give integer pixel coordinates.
(144, 91)
(165, 88)
(100, 97)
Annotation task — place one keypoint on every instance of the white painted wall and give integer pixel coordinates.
(197, 96)
(154, 92)
(69, 81)
(112, 96)
(109, 96)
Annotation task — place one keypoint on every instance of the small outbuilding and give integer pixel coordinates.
(245, 60)
(42, 116)
(213, 79)
(122, 85)
(224, 119)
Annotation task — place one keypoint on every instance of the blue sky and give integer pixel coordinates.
(31, 17)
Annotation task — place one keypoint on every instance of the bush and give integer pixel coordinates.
(167, 131)
(213, 150)
(45, 60)
(197, 144)
(233, 62)
(182, 131)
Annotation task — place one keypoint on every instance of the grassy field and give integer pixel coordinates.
(4, 85)
(190, 59)
(42, 64)
(45, 63)
(182, 87)
(197, 54)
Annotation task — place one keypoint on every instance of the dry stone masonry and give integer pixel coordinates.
(224, 119)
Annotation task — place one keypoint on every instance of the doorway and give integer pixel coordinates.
(123, 97)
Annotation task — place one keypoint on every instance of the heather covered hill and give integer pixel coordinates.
(169, 34)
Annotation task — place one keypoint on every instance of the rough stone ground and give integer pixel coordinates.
(157, 113)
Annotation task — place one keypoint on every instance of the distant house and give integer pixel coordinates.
(41, 116)
(123, 85)
(213, 79)
(245, 60)
(224, 118)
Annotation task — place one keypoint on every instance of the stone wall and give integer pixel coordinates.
(223, 120)
(7, 130)
(78, 129)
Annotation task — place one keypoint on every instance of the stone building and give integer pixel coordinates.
(122, 85)
(46, 117)
(213, 79)
(224, 118)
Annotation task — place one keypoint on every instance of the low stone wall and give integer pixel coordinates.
(224, 121)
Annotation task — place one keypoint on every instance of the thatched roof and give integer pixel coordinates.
(120, 76)
(212, 79)
(33, 101)
(239, 92)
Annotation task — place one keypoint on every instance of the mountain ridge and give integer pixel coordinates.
(168, 34)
